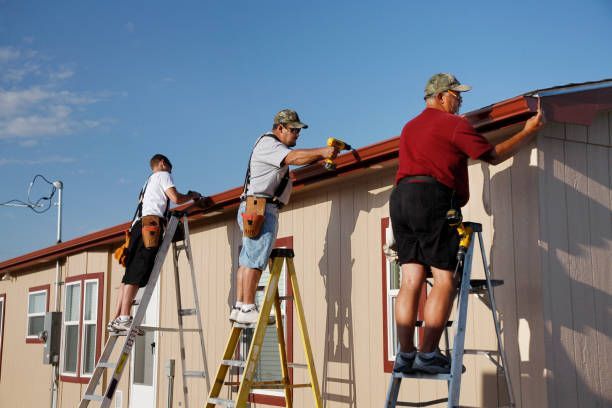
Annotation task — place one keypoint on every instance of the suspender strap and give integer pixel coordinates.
(247, 178)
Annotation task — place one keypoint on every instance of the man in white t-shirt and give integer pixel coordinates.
(149, 220)
(268, 176)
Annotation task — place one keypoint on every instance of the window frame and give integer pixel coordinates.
(274, 400)
(387, 302)
(2, 314)
(78, 376)
(34, 339)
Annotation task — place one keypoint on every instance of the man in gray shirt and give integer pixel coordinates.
(268, 176)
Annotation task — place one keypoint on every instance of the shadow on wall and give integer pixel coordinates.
(567, 349)
(336, 269)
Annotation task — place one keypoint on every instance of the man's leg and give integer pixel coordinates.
(129, 293)
(119, 301)
(438, 308)
(239, 283)
(407, 303)
(250, 281)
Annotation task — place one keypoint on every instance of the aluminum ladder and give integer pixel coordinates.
(118, 367)
(278, 258)
(483, 288)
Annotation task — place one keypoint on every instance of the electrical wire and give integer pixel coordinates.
(41, 205)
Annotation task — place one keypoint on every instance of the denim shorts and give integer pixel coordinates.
(255, 252)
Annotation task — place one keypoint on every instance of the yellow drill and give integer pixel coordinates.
(339, 145)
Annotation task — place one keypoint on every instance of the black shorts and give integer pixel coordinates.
(140, 260)
(418, 215)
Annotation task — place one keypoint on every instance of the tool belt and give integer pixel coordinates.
(253, 216)
(151, 231)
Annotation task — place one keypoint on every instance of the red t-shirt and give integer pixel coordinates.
(438, 144)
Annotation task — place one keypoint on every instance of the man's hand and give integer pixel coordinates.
(194, 195)
(330, 152)
(534, 123)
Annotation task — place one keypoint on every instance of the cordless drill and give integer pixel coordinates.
(339, 145)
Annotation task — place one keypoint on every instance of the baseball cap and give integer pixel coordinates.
(444, 82)
(290, 118)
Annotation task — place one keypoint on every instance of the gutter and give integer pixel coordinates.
(492, 117)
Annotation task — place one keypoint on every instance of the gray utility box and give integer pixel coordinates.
(51, 335)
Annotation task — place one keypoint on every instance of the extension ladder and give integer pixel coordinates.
(119, 366)
(483, 288)
(278, 257)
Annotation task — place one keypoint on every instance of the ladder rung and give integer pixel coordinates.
(168, 329)
(234, 363)
(423, 376)
(221, 401)
(180, 247)
(420, 323)
(187, 312)
(289, 297)
(199, 374)
(93, 397)
(297, 365)
(107, 364)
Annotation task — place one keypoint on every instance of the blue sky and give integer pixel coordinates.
(90, 90)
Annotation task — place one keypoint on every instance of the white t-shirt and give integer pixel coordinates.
(155, 200)
(266, 169)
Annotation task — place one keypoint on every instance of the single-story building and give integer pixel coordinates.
(547, 224)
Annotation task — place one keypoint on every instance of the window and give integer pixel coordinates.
(2, 308)
(81, 327)
(269, 365)
(391, 275)
(38, 305)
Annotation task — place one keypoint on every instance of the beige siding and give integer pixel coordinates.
(25, 380)
(576, 233)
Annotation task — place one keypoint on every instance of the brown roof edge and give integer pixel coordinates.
(485, 119)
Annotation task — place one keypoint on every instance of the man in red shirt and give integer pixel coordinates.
(432, 178)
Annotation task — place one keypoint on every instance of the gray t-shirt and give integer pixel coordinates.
(266, 169)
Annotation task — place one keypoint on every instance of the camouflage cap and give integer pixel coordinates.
(444, 82)
(289, 117)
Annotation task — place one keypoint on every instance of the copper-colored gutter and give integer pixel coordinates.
(486, 119)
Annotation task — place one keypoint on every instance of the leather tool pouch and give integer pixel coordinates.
(121, 253)
(253, 216)
(151, 231)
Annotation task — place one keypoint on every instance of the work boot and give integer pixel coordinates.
(432, 363)
(404, 361)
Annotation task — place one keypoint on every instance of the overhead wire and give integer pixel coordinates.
(41, 205)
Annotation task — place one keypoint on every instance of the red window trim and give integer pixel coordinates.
(46, 288)
(82, 278)
(3, 297)
(285, 242)
(388, 364)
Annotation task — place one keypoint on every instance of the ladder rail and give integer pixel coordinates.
(500, 348)
(130, 337)
(458, 350)
(196, 299)
(179, 307)
(279, 257)
(459, 339)
(140, 313)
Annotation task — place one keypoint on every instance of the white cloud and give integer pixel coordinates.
(42, 160)
(9, 54)
(32, 101)
(63, 73)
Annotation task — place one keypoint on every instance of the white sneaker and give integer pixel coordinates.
(234, 314)
(111, 325)
(251, 316)
(120, 325)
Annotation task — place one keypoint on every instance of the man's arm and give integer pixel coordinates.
(178, 198)
(306, 156)
(507, 148)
